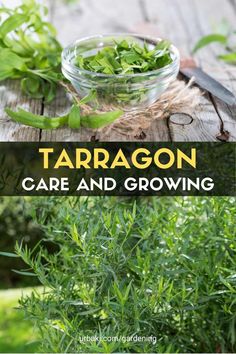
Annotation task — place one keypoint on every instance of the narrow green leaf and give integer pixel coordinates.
(126, 58)
(37, 121)
(9, 254)
(9, 63)
(89, 312)
(96, 121)
(11, 23)
(29, 274)
(75, 236)
(229, 58)
(127, 291)
(90, 97)
(206, 40)
(74, 118)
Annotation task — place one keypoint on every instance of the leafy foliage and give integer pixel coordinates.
(29, 51)
(152, 267)
(226, 38)
(16, 223)
(127, 58)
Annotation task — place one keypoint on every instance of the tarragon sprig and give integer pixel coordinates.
(30, 52)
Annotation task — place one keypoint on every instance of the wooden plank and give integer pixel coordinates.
(184, 32)
(162, 14)
(203, 24)
(204, 126)
(158, 131)
(226, 114)
(91, 17)
(10, 96)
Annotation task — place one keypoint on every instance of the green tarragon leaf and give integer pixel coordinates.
(96, 121)
(12, 23)
(228, 58)
(74, 120)
(10, 64)
(9, 254)
(212, 38)
(127, 58)
(37, 121)
(29, 274)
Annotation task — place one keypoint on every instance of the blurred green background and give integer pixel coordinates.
(16, 334)
(16, 224)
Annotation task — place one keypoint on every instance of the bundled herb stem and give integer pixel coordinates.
(30, 52)
(73, 119)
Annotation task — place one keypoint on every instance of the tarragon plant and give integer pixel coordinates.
(30, 52)
(159, 270)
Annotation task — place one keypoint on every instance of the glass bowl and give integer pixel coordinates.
(127, 92)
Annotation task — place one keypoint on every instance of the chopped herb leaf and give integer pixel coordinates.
(127, 58)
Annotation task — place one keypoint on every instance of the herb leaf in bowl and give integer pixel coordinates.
(127, 58)
(128, 72)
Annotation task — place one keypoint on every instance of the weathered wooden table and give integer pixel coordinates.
(182, 21)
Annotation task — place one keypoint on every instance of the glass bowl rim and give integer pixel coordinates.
(80, 71)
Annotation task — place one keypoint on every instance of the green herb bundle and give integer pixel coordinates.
(29, 51)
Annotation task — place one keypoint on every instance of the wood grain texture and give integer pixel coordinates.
(11, 97)
(182, 21)
(190, 21)
(92, 17)
(158, 131)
